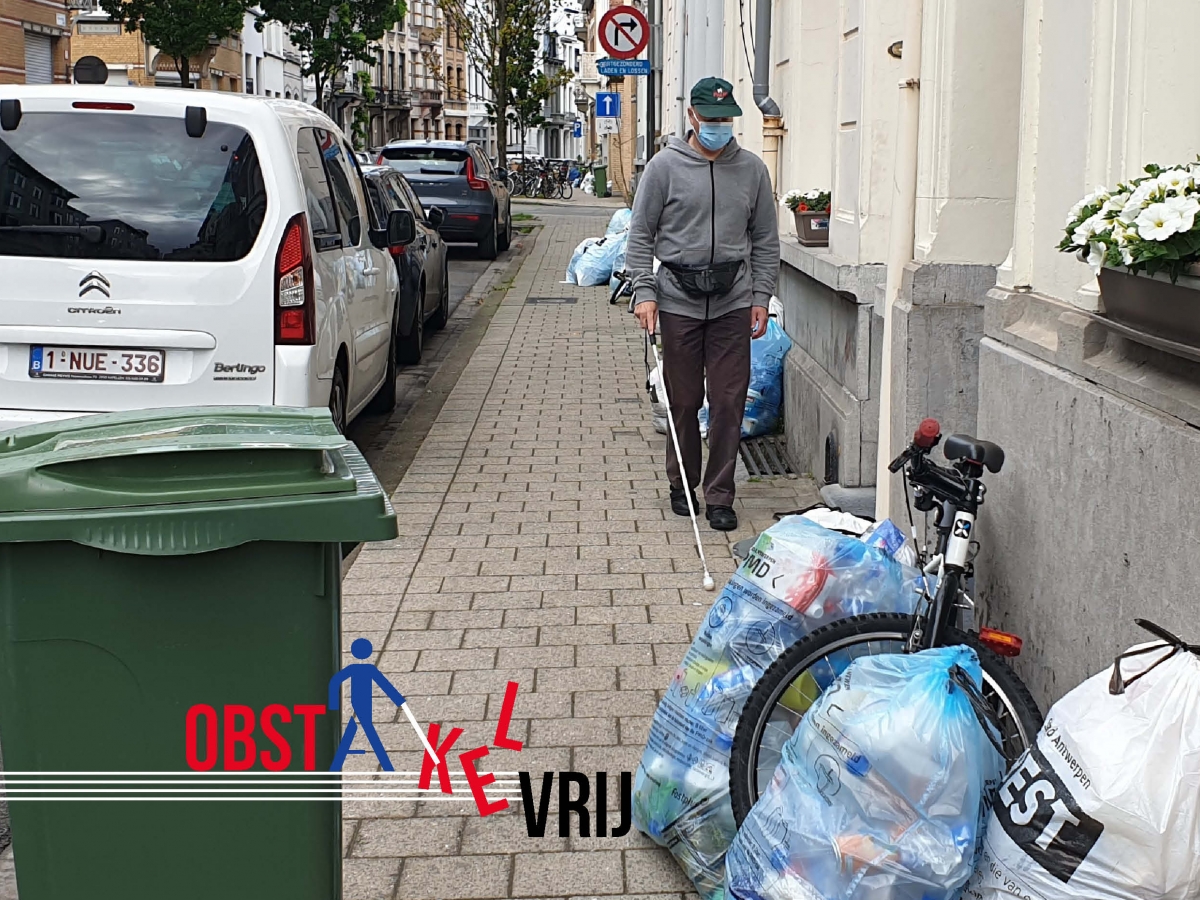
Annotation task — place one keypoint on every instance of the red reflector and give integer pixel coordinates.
(291, 251)
(927, 433)
(397, 251)
(292, 324)
(85, 104)
(1000, 642)
(381, 161)
(468, 217)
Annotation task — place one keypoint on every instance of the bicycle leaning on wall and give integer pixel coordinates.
(792, 684)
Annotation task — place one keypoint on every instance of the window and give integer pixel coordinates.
(35, 210)
(174, 198)
(341, 173)
(391, 82)
(57, 218)
(321, 216)
(14, 200)
(377, 204)
(37, 192)
(18, 180)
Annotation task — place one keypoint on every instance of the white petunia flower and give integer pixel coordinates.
(1115, 203)
(1126, 256)
(1096, 257)
(1187, 207)
(1158, 222)
(1132, 210)
(1176, 180)
(1087, 228)
(812, 195)
(1144, 191)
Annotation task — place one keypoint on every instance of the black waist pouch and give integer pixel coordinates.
(712, 281)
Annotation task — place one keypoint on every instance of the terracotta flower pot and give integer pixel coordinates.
(1153, 305)
(812, 228)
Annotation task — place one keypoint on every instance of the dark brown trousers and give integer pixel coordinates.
(720, 349)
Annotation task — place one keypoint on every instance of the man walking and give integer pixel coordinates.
(705, 208)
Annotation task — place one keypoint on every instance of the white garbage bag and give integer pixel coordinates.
(1106, 805)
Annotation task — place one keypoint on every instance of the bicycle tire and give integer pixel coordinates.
(799, 658)
(568, 190)
(558, 189)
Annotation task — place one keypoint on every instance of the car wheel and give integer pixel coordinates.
(488, 247)
(505, 239)
(385, 401)
(409, 349)
(338, 399)
(442, 315)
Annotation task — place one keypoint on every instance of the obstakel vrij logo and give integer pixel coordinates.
(246, 737)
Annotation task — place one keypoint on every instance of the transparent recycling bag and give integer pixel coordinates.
(797, 577)
(764, 399)
(1106, 805)
(882, 791)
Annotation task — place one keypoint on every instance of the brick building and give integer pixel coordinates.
(131, 60)
(34, 41)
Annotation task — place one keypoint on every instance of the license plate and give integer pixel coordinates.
(97, 363)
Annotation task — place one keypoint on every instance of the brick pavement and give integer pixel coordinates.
(536, 545)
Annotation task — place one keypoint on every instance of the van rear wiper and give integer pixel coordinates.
(93, 234)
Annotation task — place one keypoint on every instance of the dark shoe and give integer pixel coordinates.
(721, 518)
(679, 504)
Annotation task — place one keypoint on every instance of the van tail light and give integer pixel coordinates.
(1000, 642)
(380, 161)
(397, 250)
(294, 298)
(473, 182)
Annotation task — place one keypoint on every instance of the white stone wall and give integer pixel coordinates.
(1105, 88)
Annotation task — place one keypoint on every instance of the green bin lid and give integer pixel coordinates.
(189, 480)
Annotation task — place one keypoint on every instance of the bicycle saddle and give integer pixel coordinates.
(963, 446)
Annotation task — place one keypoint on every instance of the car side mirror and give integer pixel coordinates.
(437, 216)
(401, 228)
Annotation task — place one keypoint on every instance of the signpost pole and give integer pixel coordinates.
(651, 87)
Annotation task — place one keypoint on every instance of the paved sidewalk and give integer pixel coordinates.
(536, 546)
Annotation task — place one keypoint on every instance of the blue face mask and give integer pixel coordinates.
(715, 135)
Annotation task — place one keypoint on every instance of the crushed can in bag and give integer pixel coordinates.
(1106, 804)
(797, 577)
(881, 792)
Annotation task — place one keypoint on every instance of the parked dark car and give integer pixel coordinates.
(458, 177)
(421, 263)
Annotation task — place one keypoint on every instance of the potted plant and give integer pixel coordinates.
(1143, 240)
(811, 210)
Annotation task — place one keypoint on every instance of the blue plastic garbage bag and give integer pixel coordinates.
(576, 256)
(619, 261)
(594, 263)
(798, 577)
(765, 397)
(882, 791)
(620, 221)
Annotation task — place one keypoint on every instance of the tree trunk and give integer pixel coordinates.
(319, 82)
(500, 60)
(184, 66)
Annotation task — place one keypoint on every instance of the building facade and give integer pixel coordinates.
(35, 44)
(954, 136)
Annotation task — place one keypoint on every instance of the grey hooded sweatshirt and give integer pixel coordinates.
(692, 212)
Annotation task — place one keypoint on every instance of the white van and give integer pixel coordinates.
(165, 247)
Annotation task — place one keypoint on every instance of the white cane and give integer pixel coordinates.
(709, 584)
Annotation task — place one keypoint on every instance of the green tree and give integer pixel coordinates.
(502, 39)
(529, 89)
(182, 29)
(333, 33)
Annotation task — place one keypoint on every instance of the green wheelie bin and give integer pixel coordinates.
(166, 576)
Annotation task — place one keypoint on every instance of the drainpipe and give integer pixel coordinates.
(773, 130)
(903, 236)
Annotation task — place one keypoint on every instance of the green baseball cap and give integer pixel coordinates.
(712, 98)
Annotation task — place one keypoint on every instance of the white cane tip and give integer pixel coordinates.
(709, 584)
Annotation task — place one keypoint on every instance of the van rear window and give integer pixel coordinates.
(90, 185)
(426, 160)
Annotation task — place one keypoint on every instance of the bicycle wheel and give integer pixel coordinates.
(568, 190)
(796, 679)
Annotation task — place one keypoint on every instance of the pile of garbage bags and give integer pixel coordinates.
(798, 577)
(595, 260)
(881, 791)
(1106, 804)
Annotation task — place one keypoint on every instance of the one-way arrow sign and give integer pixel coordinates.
(608, 105)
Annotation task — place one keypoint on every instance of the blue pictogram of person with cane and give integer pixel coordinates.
(364, 677)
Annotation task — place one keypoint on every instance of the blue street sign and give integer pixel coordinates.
(578, 130)
(608, 105)
(622, 67)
